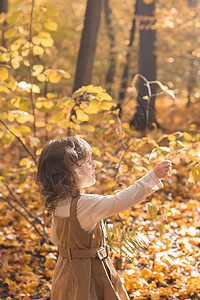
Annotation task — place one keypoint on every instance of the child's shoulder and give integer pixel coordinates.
(87, 199)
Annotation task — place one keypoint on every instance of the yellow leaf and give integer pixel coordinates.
(3, 73)
(56, 118)
(5, 57)
(25, 104)
(152, 209)
(96, 151)
(107, 105)
(13, 18)
(51, 95)
(12, 285)
(67, 75)
(93, 89)
(10, 33)
(195, 173)
(111, 184)
(98, 163)
(112, 158)
(49, 127)
(50, 25)
(25, 52)
(15, 130)
(36, 40)
(11, 83)
(47, 42)
(54, 77)
(104, 96)
(48, 104)
(15, 46)
(41, 77)
(38, 27)
(27, 63)
(187, 136)
(24, 162)
(15, 63)
(37, 50)
(40, 124)
(35, 89)
(51, 9)
(81, 116)
(171, 137)
(24, 128)
(38, 68)
(25, 118)
(89, 127)
(4, 89)
(92, 108)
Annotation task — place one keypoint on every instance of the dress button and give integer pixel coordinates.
(93, 236)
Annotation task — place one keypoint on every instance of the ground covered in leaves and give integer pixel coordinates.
(168, 269)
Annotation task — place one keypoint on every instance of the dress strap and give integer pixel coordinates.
(73, 207)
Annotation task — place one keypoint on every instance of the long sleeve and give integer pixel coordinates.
(92, 208)
(96, 207)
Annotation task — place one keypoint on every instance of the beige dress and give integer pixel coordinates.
(83, 270)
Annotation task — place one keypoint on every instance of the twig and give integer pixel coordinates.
(24, 207)
(30, 70)
(149, 96)
(21, 213)
(119, 164)
(24, 146)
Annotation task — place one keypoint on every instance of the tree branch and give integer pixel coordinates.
(24, 146)
(24, 207)
(21, 213)
(30, 68)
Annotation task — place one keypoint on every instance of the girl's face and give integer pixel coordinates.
(87, 170)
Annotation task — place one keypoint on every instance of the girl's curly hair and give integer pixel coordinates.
(58, 175)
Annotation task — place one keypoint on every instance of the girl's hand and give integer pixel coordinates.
(162, 168)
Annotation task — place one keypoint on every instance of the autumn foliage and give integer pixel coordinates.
(37, 104)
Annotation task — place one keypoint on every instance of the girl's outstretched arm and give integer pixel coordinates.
(92, 208)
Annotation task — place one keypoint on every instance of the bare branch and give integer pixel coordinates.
(24, 207)
(24, 146)
(30, 68)
(16, 209)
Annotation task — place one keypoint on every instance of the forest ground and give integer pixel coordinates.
(168, 269)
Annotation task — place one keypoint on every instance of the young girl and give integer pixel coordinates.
(84, 270)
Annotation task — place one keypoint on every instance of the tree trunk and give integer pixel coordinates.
(192, 3)
(125, 75)
(145, 111)
(88, 44)
(3, 6)
(112, 53)
(3, 9)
